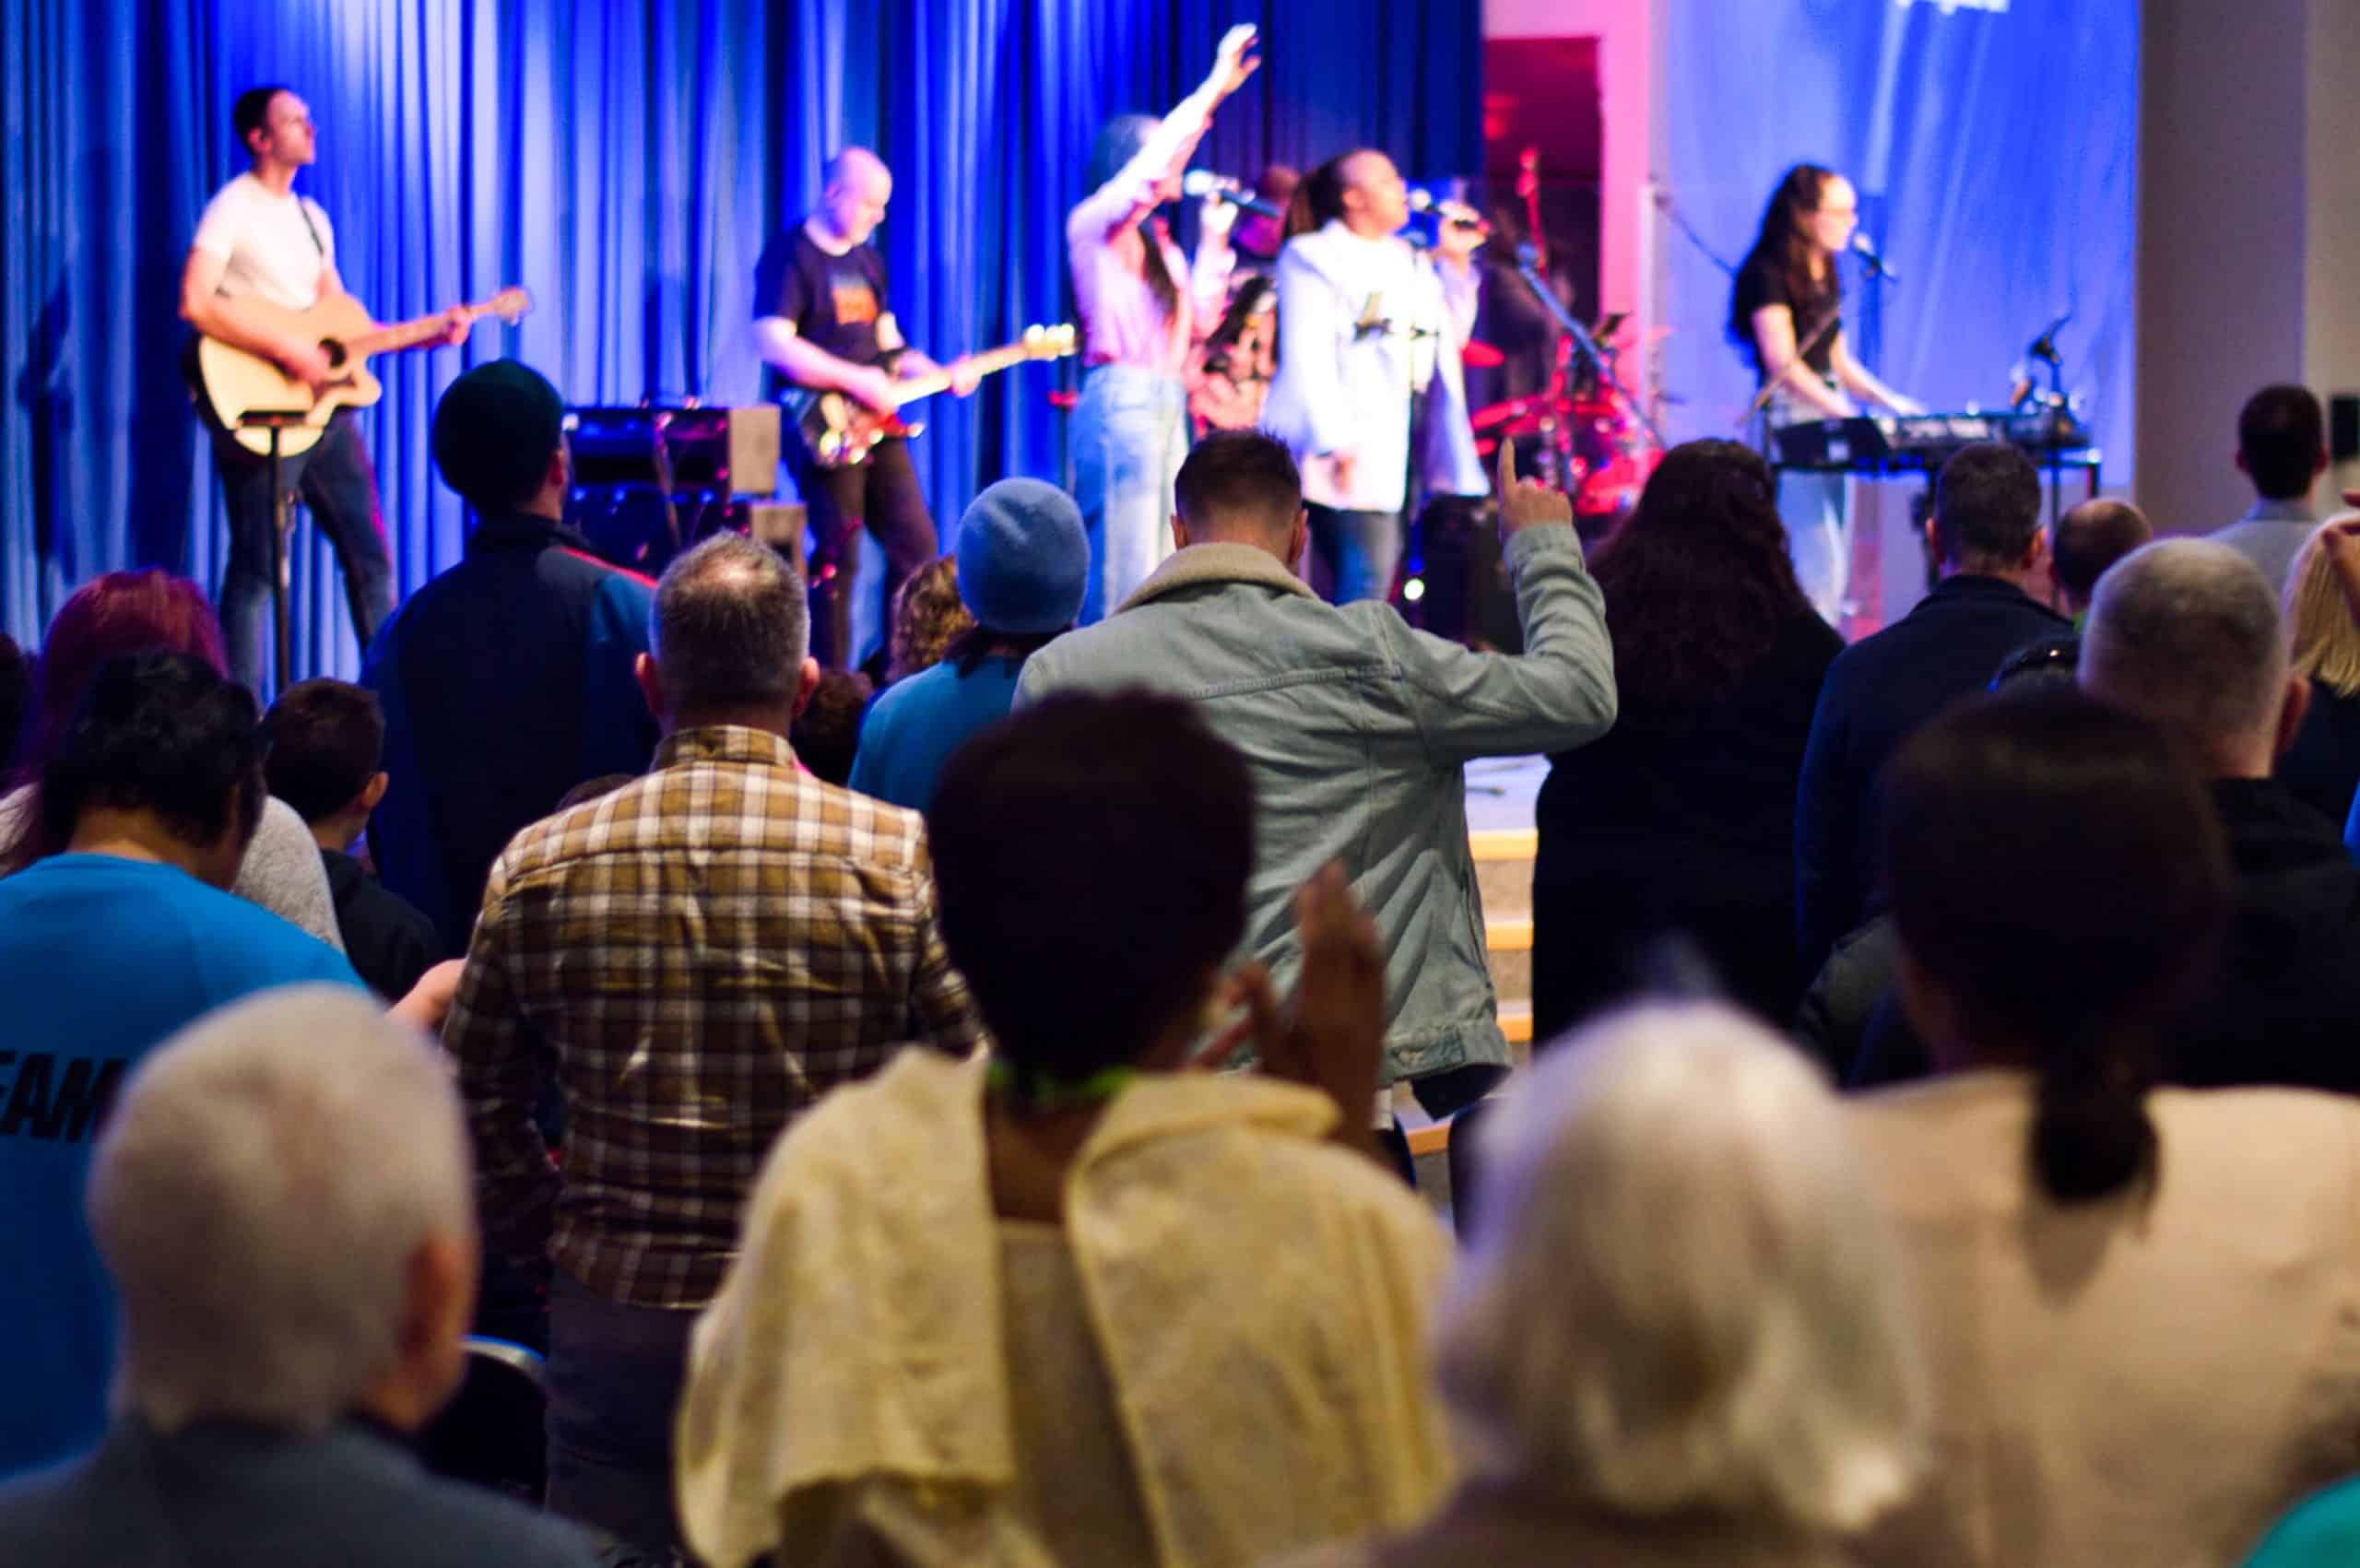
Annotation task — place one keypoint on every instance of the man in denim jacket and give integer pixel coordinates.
(1355, 725)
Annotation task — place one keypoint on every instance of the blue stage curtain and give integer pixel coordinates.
(1994, 152)
(624, 163)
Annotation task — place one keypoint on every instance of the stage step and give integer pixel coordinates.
(1510, 941)
(1504, 869)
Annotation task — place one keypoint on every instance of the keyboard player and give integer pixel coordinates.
(1786, 317)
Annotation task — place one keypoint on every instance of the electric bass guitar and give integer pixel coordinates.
(232, 383)
(840, 431)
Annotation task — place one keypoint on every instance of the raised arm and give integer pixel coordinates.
(1139, 186)
(1559, 693)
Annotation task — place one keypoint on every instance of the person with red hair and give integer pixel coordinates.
(152, 611)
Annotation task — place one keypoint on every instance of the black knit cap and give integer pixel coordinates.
(494, 431)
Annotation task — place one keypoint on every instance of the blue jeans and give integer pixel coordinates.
(1819, 538)
(1130, 433)
(615, 1375)
(1819, 529)
(1362, 551)
(336, 484)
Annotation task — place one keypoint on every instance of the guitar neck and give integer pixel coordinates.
(983, 364)
(410, 334)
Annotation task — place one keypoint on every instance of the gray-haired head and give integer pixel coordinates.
(2185, 634)
(1685, 1297)
(261, 1195)
(730, 629)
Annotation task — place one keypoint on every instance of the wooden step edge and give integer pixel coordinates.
(1508, 934)
(1432, 1138)
(1516, 1022)
(1504, 843)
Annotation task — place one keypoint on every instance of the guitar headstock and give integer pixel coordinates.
(1049, 342)
(509, 304)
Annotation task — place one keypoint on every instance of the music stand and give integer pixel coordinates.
(276, 420)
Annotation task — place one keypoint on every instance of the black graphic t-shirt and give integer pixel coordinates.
(834, 301)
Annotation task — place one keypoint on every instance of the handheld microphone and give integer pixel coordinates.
(1866, 249)
(1205, 183)
(1455, 214)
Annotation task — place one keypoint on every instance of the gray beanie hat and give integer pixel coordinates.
(1024, 559)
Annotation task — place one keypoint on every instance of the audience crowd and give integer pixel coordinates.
(600, 1089)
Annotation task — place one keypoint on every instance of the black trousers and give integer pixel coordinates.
(340, 489)
(881, 495)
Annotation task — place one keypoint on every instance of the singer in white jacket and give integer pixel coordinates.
(1366, 336)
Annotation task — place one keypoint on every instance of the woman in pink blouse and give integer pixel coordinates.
(1139, 308)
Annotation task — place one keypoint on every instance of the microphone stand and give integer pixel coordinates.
(1586, 346)
(2048, 434)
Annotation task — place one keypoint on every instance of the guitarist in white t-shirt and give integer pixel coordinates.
(257, 240)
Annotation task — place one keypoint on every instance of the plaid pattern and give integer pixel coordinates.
(697, 958)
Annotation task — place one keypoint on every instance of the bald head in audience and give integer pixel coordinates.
(2185, 634)
(2085, 541)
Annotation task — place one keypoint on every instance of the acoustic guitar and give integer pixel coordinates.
(232, 383)
(841, 432)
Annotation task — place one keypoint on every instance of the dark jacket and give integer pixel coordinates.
(217, 1494)
(388, 939)
(2285, 1008)
(2323, 768)
(1877, 692)
(1832, 1023)
(507, 681)
(1679, 822)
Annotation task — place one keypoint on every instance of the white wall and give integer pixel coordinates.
(1626, 83)
(2248, 232)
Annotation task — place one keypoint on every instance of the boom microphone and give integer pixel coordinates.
(1867, 250)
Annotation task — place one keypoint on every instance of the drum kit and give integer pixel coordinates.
(1578, 436)
(1586, 435)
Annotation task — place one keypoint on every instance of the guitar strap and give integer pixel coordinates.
(305, 209)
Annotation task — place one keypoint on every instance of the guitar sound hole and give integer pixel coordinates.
(334, 350)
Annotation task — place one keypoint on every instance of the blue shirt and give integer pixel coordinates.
(913, 727)
(101, 959)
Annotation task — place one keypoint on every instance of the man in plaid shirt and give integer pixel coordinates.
(696, 958)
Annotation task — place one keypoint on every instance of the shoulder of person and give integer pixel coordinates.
(617, 590)
(266, 948)
(1315, 252)
(888, 836)
(2321, 1531)
(903, 701)
(470, 1524)
(233, 195)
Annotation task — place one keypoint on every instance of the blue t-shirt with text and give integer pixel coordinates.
(101, 959)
